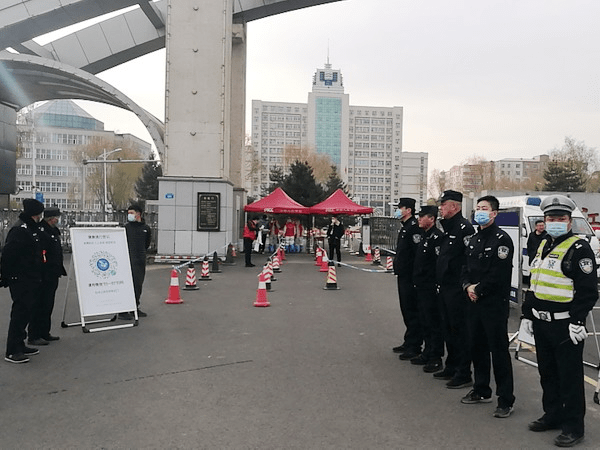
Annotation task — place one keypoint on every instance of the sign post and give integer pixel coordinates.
(103, 274)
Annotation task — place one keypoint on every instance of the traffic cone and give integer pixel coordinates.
(267, 276)
(319, 257)
(331, 278)
(377, 257)
(261, 292)
(271, 271)
(324, 263)
(205, 274)
(282, 255)
(229, 255)
(174, 297)
(190, 279)
(369, 256)
(276, 268)
(215, 263)
(389, 265)
(233, 252)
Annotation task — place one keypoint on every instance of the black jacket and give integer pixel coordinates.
(139, 236)
(335, 232)
(533, 242)
(53, 266)
(457, 232)
(409, 237)
(22, 255)
(579, 264)
(489, 264)
(426, 257)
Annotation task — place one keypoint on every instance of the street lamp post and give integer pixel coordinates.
(104, 155)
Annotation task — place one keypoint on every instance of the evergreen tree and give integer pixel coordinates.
(563, 176)
(276, 179)
(334, 182)
(300, 184)
(569, 167)
(146, 186)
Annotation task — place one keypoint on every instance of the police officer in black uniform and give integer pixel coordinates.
(22, 268)
(555, 310)
(408, 239)
(139, 236)
(486, 280)
(426, 289)
(41, 320)
(453, 301)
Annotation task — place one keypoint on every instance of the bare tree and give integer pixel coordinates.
(437, 183)
(320, 163)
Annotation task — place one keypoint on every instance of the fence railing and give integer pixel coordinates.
(384, 232)
(69, 219)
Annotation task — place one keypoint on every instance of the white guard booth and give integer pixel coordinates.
(103, 275)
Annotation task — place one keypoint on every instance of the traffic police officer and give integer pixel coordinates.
(486, 280)
(563, 290)
(408, 239)
(452, 299)
(426, 289)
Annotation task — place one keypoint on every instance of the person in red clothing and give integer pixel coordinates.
(289, 232)
(249, 236)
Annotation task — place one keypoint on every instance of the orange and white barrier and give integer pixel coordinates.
(261, 292)
(190, 279)
(331, 278)
(174, 297)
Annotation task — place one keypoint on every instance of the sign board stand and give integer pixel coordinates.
(103, 276)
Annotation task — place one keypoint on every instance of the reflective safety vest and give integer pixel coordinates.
(547, 279)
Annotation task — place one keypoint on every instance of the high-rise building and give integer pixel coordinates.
(365, 142)
(51, 144)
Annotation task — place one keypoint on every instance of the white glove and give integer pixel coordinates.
(528, 325)
(577, 333)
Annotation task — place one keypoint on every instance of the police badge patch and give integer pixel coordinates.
(503, 252)
(416, 238)
(586, 265)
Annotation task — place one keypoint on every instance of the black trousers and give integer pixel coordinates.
(334, 246)
(560, 364)
(248, 250)
(138, 273)
(24, 295)
(41, 315)
(431, 322)
(488, 336)
(453, 303)
(413, 337)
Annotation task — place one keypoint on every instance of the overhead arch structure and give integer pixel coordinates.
(65, 67)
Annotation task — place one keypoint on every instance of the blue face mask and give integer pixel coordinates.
(398, 214)
(556, 229)
(482, 217)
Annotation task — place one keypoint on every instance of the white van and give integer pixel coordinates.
(517, 216)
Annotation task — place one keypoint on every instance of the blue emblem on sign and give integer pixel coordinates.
(103, 264)
(169, 195)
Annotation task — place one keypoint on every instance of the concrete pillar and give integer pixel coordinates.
(198, 132)
(8, 144)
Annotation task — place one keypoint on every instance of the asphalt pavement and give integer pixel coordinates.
(314, 370)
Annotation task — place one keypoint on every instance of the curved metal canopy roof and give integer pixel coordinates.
(66, 67)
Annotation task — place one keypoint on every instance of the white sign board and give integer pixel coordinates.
(102, 271)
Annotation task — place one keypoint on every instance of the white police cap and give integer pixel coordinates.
(557, 205)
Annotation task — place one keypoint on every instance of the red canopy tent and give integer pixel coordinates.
(277, 202)
(339, 203)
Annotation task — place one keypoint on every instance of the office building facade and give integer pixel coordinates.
(364, 142)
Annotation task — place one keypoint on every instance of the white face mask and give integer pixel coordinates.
(131, 217)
